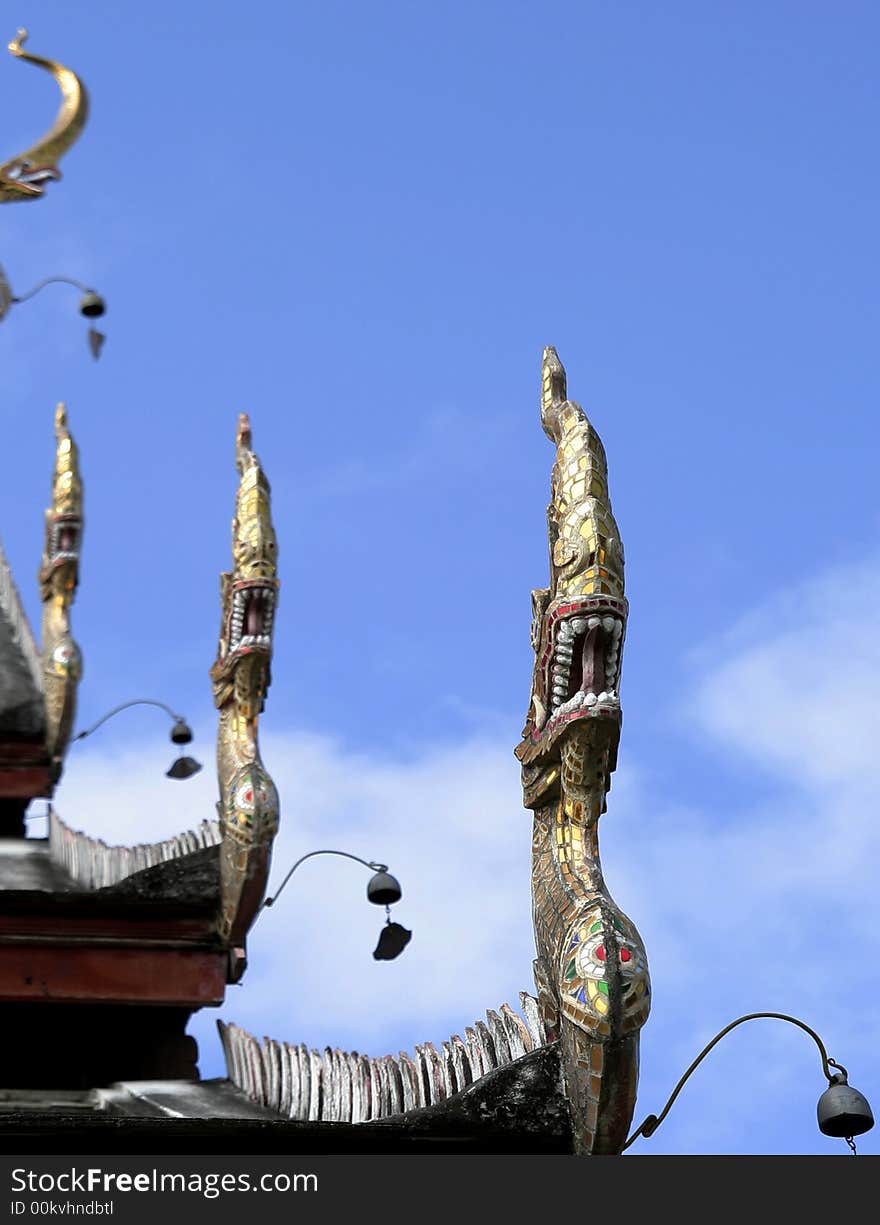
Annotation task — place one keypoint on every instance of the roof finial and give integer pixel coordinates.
(24, 176)
(553, 391)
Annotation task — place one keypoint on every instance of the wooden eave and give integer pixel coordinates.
(25, 770)
(110, 946)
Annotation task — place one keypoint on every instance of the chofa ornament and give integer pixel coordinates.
(240, 677)
(591, 970)
(59, 576)
(24, 177)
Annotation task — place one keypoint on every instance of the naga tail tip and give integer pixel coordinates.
(553, 390)
(15, 45)
(243, 440)
(60, 417)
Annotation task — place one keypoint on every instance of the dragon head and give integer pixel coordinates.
(22, 180)
(59, 571)
(579, 621)
(24, 177)
(249, 592)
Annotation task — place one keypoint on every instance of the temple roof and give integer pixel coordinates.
(22, 715)
(27, 866)
(516, 1109)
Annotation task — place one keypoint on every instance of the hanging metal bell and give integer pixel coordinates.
(181, 733)
(383, 889)
(92, 305)
(842, 1110)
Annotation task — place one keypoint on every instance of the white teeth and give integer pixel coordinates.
(540, 712)
(603, 696)
(593, 622)
(608, 624)
(590, 699)
(565, 632)
(564, 648)
(579, 625)
(618, 628)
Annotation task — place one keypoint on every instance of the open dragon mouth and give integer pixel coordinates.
(581, 665)
(30, 179)
(64, 544)
(253, 611)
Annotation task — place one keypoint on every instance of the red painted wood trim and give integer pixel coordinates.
(25, 782)
(35, 750)
(65, 922)
(80, 974)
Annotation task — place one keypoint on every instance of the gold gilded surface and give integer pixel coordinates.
(59, 576)
(240, 676)
(591, 970)
(23, 177)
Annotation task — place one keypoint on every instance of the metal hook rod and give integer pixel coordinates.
(376, 867)
(123, 706)
(653, 1121)
(52, 280)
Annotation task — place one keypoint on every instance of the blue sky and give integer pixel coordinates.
(361, 224)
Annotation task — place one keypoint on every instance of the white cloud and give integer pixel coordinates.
(451, 827)
(795, 687)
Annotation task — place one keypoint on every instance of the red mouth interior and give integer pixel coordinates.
(582, 659)
(588, 662)
(592, 659)
(254, 613)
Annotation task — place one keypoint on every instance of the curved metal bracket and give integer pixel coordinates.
(653, 1121)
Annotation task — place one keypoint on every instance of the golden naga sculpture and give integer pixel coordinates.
(591, 970)
(58, 577)
(240, 676)
(24, 176)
